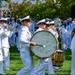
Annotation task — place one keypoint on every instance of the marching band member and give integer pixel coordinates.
(1, 55)
(73, 40)
(51, 28)
(44, 63)
(64, 36)
(37, 69)
(24, 37)
(5, 43)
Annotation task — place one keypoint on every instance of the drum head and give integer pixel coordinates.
(48, 42)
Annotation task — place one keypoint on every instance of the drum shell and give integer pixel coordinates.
(58, 58)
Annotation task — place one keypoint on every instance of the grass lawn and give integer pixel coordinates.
(16, 63)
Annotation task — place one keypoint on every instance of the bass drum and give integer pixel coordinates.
(46, 44)
(58, 58)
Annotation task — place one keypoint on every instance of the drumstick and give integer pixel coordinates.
(40, 45)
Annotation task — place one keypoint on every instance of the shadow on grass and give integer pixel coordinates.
(13, 49)
(68, 54)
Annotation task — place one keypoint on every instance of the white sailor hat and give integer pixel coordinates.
(48, 23)
(65, 21)
(70, 18)
(41, 22)
(52, 23)
(47, 19)
(3, 19)
(27, 18)
(8, 18)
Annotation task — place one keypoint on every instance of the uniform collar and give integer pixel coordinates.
(25, 27)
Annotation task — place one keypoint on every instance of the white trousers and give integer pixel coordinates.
(37, 68)
(47, 63)
(73, 55)
(27, 61)
(50, 66)
(1, 67)
(1, 62)
(6, 57)
(73, 63)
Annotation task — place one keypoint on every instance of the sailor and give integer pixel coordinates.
(24, 37)
(64, 36)
(7, 32)
(38, 67)
(73, 40)
(1, 55)
(43, 63)
(51, 28)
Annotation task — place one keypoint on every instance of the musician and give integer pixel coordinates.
(51, 28)
(73, 40)
(43, 63)
(5, 43)
(1, 55)
(38, 69)
(24, 37)
(64, 37)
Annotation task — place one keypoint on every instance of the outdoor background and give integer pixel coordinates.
(48, 9)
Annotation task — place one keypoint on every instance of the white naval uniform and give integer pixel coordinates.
(73, 52)
(5, 47)
(1, 56)
(73, 55)
(43, 64)
(68, 37)
(64, 38)
(24, 37)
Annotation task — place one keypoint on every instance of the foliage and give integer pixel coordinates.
(51, 9)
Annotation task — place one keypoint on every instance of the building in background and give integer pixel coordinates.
(3, 8)
(31, 1)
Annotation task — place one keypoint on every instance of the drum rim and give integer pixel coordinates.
(50, 33)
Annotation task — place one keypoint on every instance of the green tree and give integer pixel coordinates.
(51, 9)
